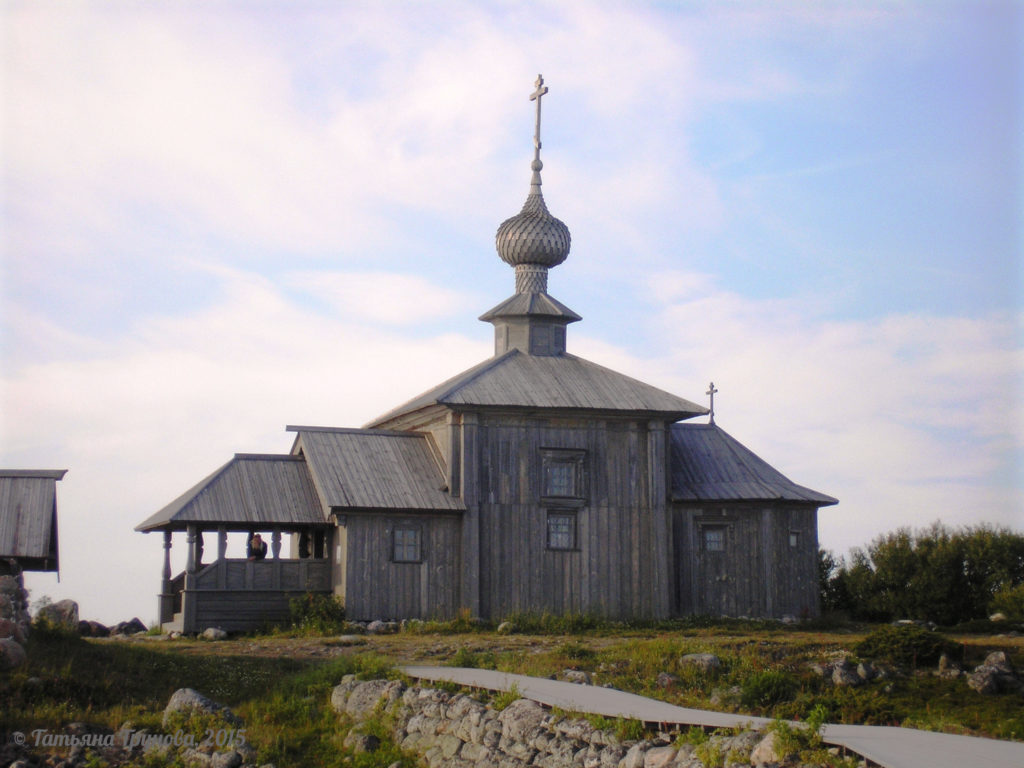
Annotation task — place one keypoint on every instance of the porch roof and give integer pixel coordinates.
(28, 517)
(250, 491)
(708, 464)
(375, 469)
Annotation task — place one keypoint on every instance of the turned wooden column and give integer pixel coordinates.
(166, 586)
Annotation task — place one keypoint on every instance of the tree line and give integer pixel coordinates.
(940, 574)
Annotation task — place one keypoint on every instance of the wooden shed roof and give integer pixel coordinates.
(518, 380)
(374, 469)
(28, 517)
(708, 464)
(250, 491)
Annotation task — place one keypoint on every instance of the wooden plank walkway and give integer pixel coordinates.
(884, 746)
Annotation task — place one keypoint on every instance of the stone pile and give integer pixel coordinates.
(995, 675)
(457, 731)
(14, 618)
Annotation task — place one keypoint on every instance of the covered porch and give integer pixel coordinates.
(250, 494)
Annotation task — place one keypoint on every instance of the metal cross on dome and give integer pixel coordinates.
(536, 96)
(711, 411)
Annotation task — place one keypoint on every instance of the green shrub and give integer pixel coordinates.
(317, 614)
(766, 688)
(503, 699)
(471, 660)
(1010, 602)
(908, 644)
(628, 729)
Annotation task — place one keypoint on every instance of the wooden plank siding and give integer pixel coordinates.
(28, 517)
(614, 569)
(379, 588)
(758, 573)
(306, 575)
(239, 610)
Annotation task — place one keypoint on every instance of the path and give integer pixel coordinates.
(888, 747)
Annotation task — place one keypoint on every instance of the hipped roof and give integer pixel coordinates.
(251, 491)
(356, 469)
(28, 516)
(567, 382)
(708, 464)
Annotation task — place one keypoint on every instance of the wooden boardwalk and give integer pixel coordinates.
(887, 747)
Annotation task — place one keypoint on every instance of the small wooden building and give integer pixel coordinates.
(28, 519)
(534, 482)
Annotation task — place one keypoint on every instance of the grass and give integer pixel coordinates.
(281, 685)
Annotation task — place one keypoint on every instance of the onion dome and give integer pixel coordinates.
(533, 240)
(533, 236)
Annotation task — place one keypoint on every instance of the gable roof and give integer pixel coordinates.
(28, 517)
(250, 491)
(518, 380)
(374, 469)
(708, 464)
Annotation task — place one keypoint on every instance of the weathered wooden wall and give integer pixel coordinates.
(620, 566)
(377, 588)
(238, 610)
(758, 574)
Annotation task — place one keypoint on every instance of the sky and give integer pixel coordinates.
(221, 218)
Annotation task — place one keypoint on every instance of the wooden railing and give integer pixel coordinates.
(288, 575)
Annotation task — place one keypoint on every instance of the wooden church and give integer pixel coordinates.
(534, 482)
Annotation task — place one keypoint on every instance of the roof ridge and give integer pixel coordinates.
(268, 456)
(355, 430)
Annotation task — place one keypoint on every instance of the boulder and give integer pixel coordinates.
(660, 757)
(128, 627)
(382, 627)
(705, 661)
(93, 629)
(12, 587)
(577, 676)
(766, 752)
(995, 675)
(844, 673)
(520, 719)
(63, 613)
(360, 699)
(189, 702)
(11, 653)
(999, 661)
(10, 628)
(666, 680)
(214, 633)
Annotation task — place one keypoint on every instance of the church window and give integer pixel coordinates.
(406, 544)
(714, 538)
(561, 530)
(563, 474)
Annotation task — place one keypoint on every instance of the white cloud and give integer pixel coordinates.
(140, 420)
(905, 419)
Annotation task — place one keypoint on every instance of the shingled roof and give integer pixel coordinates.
(250, 491)
(361, 469)
(518, 380)
(28, 517)
(708, 464)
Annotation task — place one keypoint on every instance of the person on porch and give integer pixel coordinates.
(255, 547)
